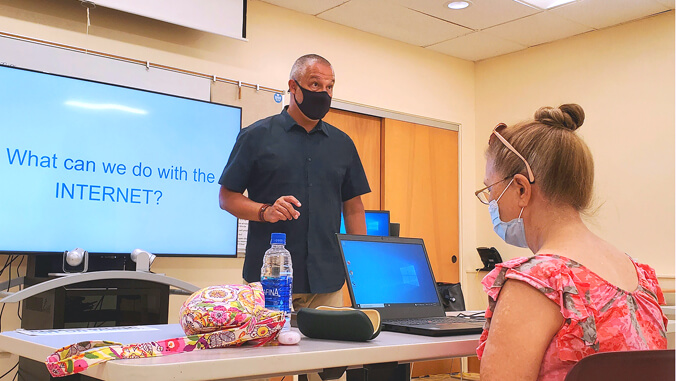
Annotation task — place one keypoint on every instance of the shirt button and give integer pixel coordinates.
(310, 184)
(309, 159)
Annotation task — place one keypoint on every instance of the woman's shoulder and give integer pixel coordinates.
(554, 276)
(537, 270)
(551, 275)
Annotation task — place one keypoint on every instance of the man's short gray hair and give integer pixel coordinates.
(301, 64)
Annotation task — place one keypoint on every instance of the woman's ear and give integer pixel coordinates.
(524, 187)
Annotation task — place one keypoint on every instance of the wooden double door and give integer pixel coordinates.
(413, 172)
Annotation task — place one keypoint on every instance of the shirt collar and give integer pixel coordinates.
(288, 123)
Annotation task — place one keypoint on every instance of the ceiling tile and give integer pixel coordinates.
(393, 21)
(487, 28)
(480, 15)
(308, 7)
(596, 13)
(538, 29)
(476, 46)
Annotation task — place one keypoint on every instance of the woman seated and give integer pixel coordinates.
(578, 294)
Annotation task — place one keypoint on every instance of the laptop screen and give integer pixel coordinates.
(388, 273)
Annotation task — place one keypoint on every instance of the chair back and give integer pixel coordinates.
(625, 365)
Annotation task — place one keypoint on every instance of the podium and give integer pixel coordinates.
(96, 303)
(119, 296)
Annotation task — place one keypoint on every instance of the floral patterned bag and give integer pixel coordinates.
(213, 317)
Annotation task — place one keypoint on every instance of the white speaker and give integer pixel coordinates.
(72, 259)
(143, 259)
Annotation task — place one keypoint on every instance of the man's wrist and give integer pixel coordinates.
(261, 212)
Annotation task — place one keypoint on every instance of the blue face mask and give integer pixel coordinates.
(512, 232)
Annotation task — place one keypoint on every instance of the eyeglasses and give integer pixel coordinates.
(484, 193)
(496, 132)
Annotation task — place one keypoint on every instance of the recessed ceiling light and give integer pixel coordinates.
(545, 4)
(458, 4)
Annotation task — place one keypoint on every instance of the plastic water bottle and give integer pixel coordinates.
(277, 277)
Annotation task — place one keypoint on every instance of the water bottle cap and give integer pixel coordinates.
(278, 239)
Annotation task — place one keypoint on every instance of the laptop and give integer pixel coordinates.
(393, 276)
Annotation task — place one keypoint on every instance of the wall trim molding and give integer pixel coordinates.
(390, 114)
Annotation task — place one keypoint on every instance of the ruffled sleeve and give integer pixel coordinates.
(648, 280)
(552, 276)
(652, 291)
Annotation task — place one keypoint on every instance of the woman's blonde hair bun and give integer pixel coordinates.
(560, 160)
(568, 116)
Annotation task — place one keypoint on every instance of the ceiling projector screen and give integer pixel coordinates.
(224, 17)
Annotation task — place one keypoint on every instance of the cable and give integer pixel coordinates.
(479, 315)
(7, 262)
(9, 280)
(9, 257)
(97, 307)
(18, 305)
(6, 373)
(19, 265)
(1, 311)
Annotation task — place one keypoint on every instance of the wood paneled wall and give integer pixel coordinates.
(413, 172)
(420, 172)
(420, 177)
(365, 133)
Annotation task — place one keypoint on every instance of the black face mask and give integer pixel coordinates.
(315, 103)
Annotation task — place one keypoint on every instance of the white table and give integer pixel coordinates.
(245, 362)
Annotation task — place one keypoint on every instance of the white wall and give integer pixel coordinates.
(623, 77)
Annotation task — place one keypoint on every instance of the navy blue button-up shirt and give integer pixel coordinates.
(275, 157)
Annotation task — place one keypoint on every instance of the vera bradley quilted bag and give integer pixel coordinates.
(213, 317)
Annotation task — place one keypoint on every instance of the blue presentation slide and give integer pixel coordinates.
(110, 169)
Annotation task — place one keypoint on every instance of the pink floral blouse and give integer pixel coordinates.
(598, 317)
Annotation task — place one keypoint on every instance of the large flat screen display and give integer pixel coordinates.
(110, 169)
(377, 222)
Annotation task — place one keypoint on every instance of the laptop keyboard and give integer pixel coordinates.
(436, 320)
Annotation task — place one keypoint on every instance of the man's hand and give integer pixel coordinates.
(282, 210)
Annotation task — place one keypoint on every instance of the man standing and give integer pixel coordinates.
(299, 172)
